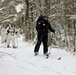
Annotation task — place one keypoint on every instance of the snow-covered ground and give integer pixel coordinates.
(21, 61)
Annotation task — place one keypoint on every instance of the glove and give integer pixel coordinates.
(54, 31)
(16, 32)
(7, 32)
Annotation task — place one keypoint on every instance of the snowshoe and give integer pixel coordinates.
(59, 58)
(36, 53)
(14, 47)
(8, 46)
(47, 55)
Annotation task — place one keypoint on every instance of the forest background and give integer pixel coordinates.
(61, 15)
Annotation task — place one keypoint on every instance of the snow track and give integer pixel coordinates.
(21, 61)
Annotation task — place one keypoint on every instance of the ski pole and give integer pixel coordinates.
(51, 44)
(17, 41)
(6, 40)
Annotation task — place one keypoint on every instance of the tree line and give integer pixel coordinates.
(61, 15)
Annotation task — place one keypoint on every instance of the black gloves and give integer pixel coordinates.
(16, 32)
(54, 31)
(7, 32)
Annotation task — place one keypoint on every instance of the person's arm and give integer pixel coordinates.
(50, 28)
(16, 31)
(7, 30)
(39, 27)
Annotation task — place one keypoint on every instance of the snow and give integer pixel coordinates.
(1, 9)
(73, 17)
(2, 0)
(19, 7)
(21, 61)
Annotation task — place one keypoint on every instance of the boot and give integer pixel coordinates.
(36, 53)
(8, 46)
(14, 47)
(47, 55)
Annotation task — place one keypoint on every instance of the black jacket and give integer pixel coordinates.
(43, 26)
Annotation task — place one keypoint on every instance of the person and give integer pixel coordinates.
(11, 34)
(42, 28)
(3, 32)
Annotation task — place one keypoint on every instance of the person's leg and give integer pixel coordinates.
(2, 37)
(39, 37)
(8, 40)
(5, 36)
(13, 41)
(45, 47)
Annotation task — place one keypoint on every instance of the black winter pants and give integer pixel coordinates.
(44, 40)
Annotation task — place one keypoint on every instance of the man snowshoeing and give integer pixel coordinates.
(42, 28)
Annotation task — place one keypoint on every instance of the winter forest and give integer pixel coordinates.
(61, 44)
(61, 15)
